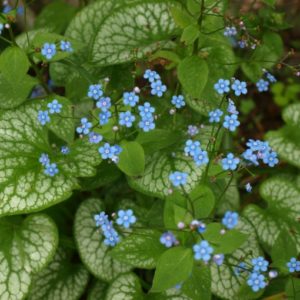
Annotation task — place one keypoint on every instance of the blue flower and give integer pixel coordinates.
(270, 159)
(157, 88)
(108, 151)
(126, 218)
(151, 75)
(104, 103)
(95, 91)
(111, 238)
(178, 178)
(222, 86)
(146, 110)
(44, 159)
(250, 156)
(239, 87)
(191, 147)
(231, 108)
(230, 162)
(43, 117)
(203, 251)
(231, 122)
(215, 115)
(293, 265)
(147, 124)
(85, 126)
(201, 227)
(101, 219)
(240, 268)
(95, 138)
(270, 77)
(65, 150)
(230, 31)
(254, 145)
(248, 187)
(256, 281)
(192, 130)
(54, 107)
(1, 28)
(178, 101)
(126, 119)
(262, 85)
(51, 169)
(230, 219)
(168, 239)
(242, 44)
(48, 50)
(200, 157)
(104, 117)
(259, 264)
(218, 259)
(130, 98)
(66, 46)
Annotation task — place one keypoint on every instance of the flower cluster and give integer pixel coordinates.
(293, 265)
(50, 169)
(193, 149)
(53, 108)
(147, 119)
(125, 219)
(262, 84)
(157, 87)
(49, 50)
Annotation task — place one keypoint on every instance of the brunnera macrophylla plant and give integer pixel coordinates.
(122, 170)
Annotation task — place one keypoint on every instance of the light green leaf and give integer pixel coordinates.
(131, 159)
(125, 287)
(97, 291)
(23, 185)
(224, 282)
(173, 267)
(27, 245)
(181, 17)
(61, 280)
(283, 200)
(291, 114)
(120, 40)
(94, 254)
(203, 201)
(141, 249)
(170, 294)
(155, 181)
(190, 34)
(193, 75)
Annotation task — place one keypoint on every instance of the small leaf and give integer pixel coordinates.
(173, 267)
(190, 34)
(94, 254)
(61, 280)
(27, 246)
(132, 158)
(125, 287)
(140, 250)
(193, 75)
(97, 291)
(203, 201)
(181, 17)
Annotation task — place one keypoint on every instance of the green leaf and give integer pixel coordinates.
(170, 294)
(173, 267)
(283, 200)
(15, 84)
(56, 15)
(61, 280)
(97, 291)
(120, 40)
(224, 282)
(193, 6)
(155, 181)
(292, 288)
(193, 75)
(264, 56)
(181, 17)
(203, 201)
(24, 187)
(131, 159)
(125, 287)
(198, 286)
(291, 115)
(270, 2)
(140, 250)
(27, 245)
(190, 34)
(94, 254)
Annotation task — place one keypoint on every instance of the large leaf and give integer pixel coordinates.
(225, 284)
(283, 200)
(286, 141)
(23, 185)
(141, 249)
(155, 181)
(61, 280)
(120, 40)
(125, 287)
(93, 252)
(27, 245)
(97, 291)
